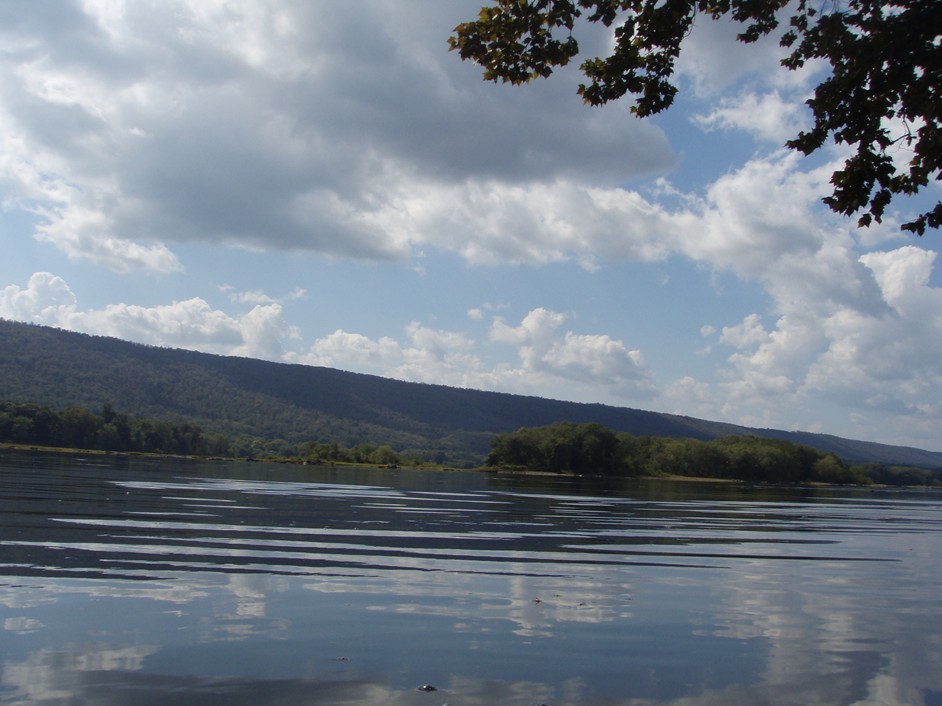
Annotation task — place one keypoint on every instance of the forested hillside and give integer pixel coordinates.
(289, 405)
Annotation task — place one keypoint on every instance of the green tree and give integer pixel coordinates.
(689, 457)
(21, 429)
(514, 449)
(560, 447)
(885, 59)
(384, 455)
(114, 433)
(361, 452)
(830, 469)
(217, 445)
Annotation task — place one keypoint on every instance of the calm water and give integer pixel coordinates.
(161, 582)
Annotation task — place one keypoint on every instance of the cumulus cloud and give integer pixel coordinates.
(141, 126)
(551, 363)
(342, 348)
(838, 329)
(426, 355)
(594, 359)
(896, 351)
(191, 323)
(877, 353)
(747, 333)
(46, 299)
(759, 219)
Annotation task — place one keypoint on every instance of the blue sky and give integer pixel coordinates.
(325, 183)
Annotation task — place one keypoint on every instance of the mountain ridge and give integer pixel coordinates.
(255, 398)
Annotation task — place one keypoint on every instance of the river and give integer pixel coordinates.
(140, 582)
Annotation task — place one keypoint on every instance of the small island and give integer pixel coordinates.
(592, 449)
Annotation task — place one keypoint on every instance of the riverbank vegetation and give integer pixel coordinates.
(81, 429)
(591, 449)
(564, 447)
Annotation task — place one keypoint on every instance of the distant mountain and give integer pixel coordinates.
(298, 403)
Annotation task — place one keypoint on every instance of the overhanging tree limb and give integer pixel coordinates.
(885, 59)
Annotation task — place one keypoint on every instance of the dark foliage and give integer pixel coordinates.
(573, 448)
(590, 449)
(79, 428)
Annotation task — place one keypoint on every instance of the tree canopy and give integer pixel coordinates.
(882, 91)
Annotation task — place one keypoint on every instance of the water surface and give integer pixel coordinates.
(151, 582)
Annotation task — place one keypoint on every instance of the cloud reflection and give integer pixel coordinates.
(59, 675)
(728, 596)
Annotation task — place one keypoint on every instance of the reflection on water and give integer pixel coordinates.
(150, 582)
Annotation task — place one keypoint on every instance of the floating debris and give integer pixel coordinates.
(427, 687)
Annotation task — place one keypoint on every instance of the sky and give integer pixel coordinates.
(315, 182)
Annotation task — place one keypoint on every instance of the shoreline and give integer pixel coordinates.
(13, 447)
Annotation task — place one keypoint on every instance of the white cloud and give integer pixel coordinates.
(191, 323)
(188, 323)
(890, 358)
(767, 117)
(491, 222)
(713, 59)
(46, 299)
(596, 359)
(537, 330)
(761, 219)
(112, 253)
(566, 365)
(827, 348)
(427, 355)
(746, 334)
(342, 348)
(141, 125)
(262, 331)
(257, 296)
(903, 277)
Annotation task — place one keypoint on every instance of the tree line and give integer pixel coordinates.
(79, 428)
(592, 449)
(564, 447)
(378, 454)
